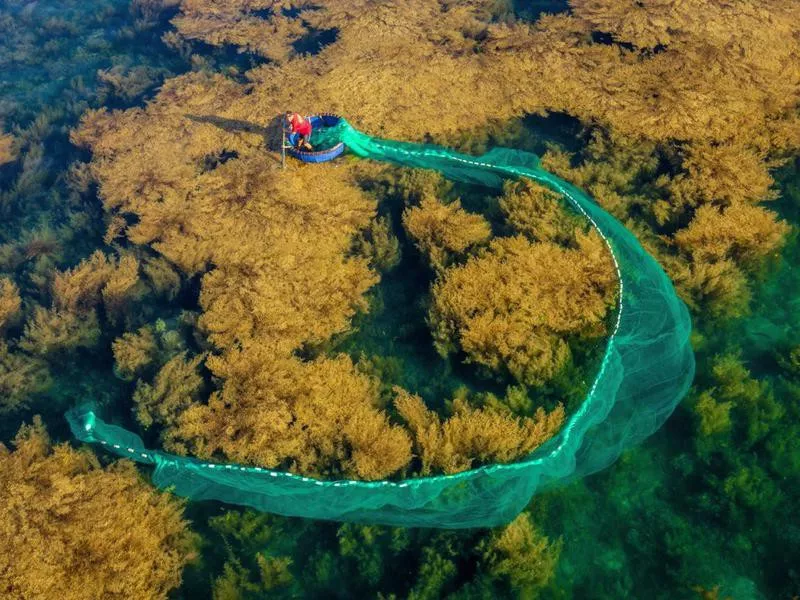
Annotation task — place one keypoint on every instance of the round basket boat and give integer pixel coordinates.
(318, 122)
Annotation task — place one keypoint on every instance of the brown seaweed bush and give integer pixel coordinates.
(538, 213)
(523, 554)
(510, 307)
(238, 22)
(135, 351)
(7, 151)
(472, 435)
(72, 529)
(10, 302)
(22, 377)
(73, 320)
(314, 417)
(444, 232)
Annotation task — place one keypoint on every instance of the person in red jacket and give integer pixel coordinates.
(302, 127)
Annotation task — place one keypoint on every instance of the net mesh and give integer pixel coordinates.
(646, 369)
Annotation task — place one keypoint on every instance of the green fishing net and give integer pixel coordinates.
(646, 369)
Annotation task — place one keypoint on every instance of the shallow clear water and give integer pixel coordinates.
(653, 525)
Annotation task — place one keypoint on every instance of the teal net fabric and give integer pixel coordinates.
(646, 369)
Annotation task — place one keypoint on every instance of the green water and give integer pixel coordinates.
(653, 525)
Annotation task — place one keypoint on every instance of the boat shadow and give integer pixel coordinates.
(271, 131)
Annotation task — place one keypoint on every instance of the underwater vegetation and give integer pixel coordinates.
(86, 531)
(155, 258)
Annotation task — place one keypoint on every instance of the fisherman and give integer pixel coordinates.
(302, 127)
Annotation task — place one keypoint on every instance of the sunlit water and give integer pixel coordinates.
(651, 526)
